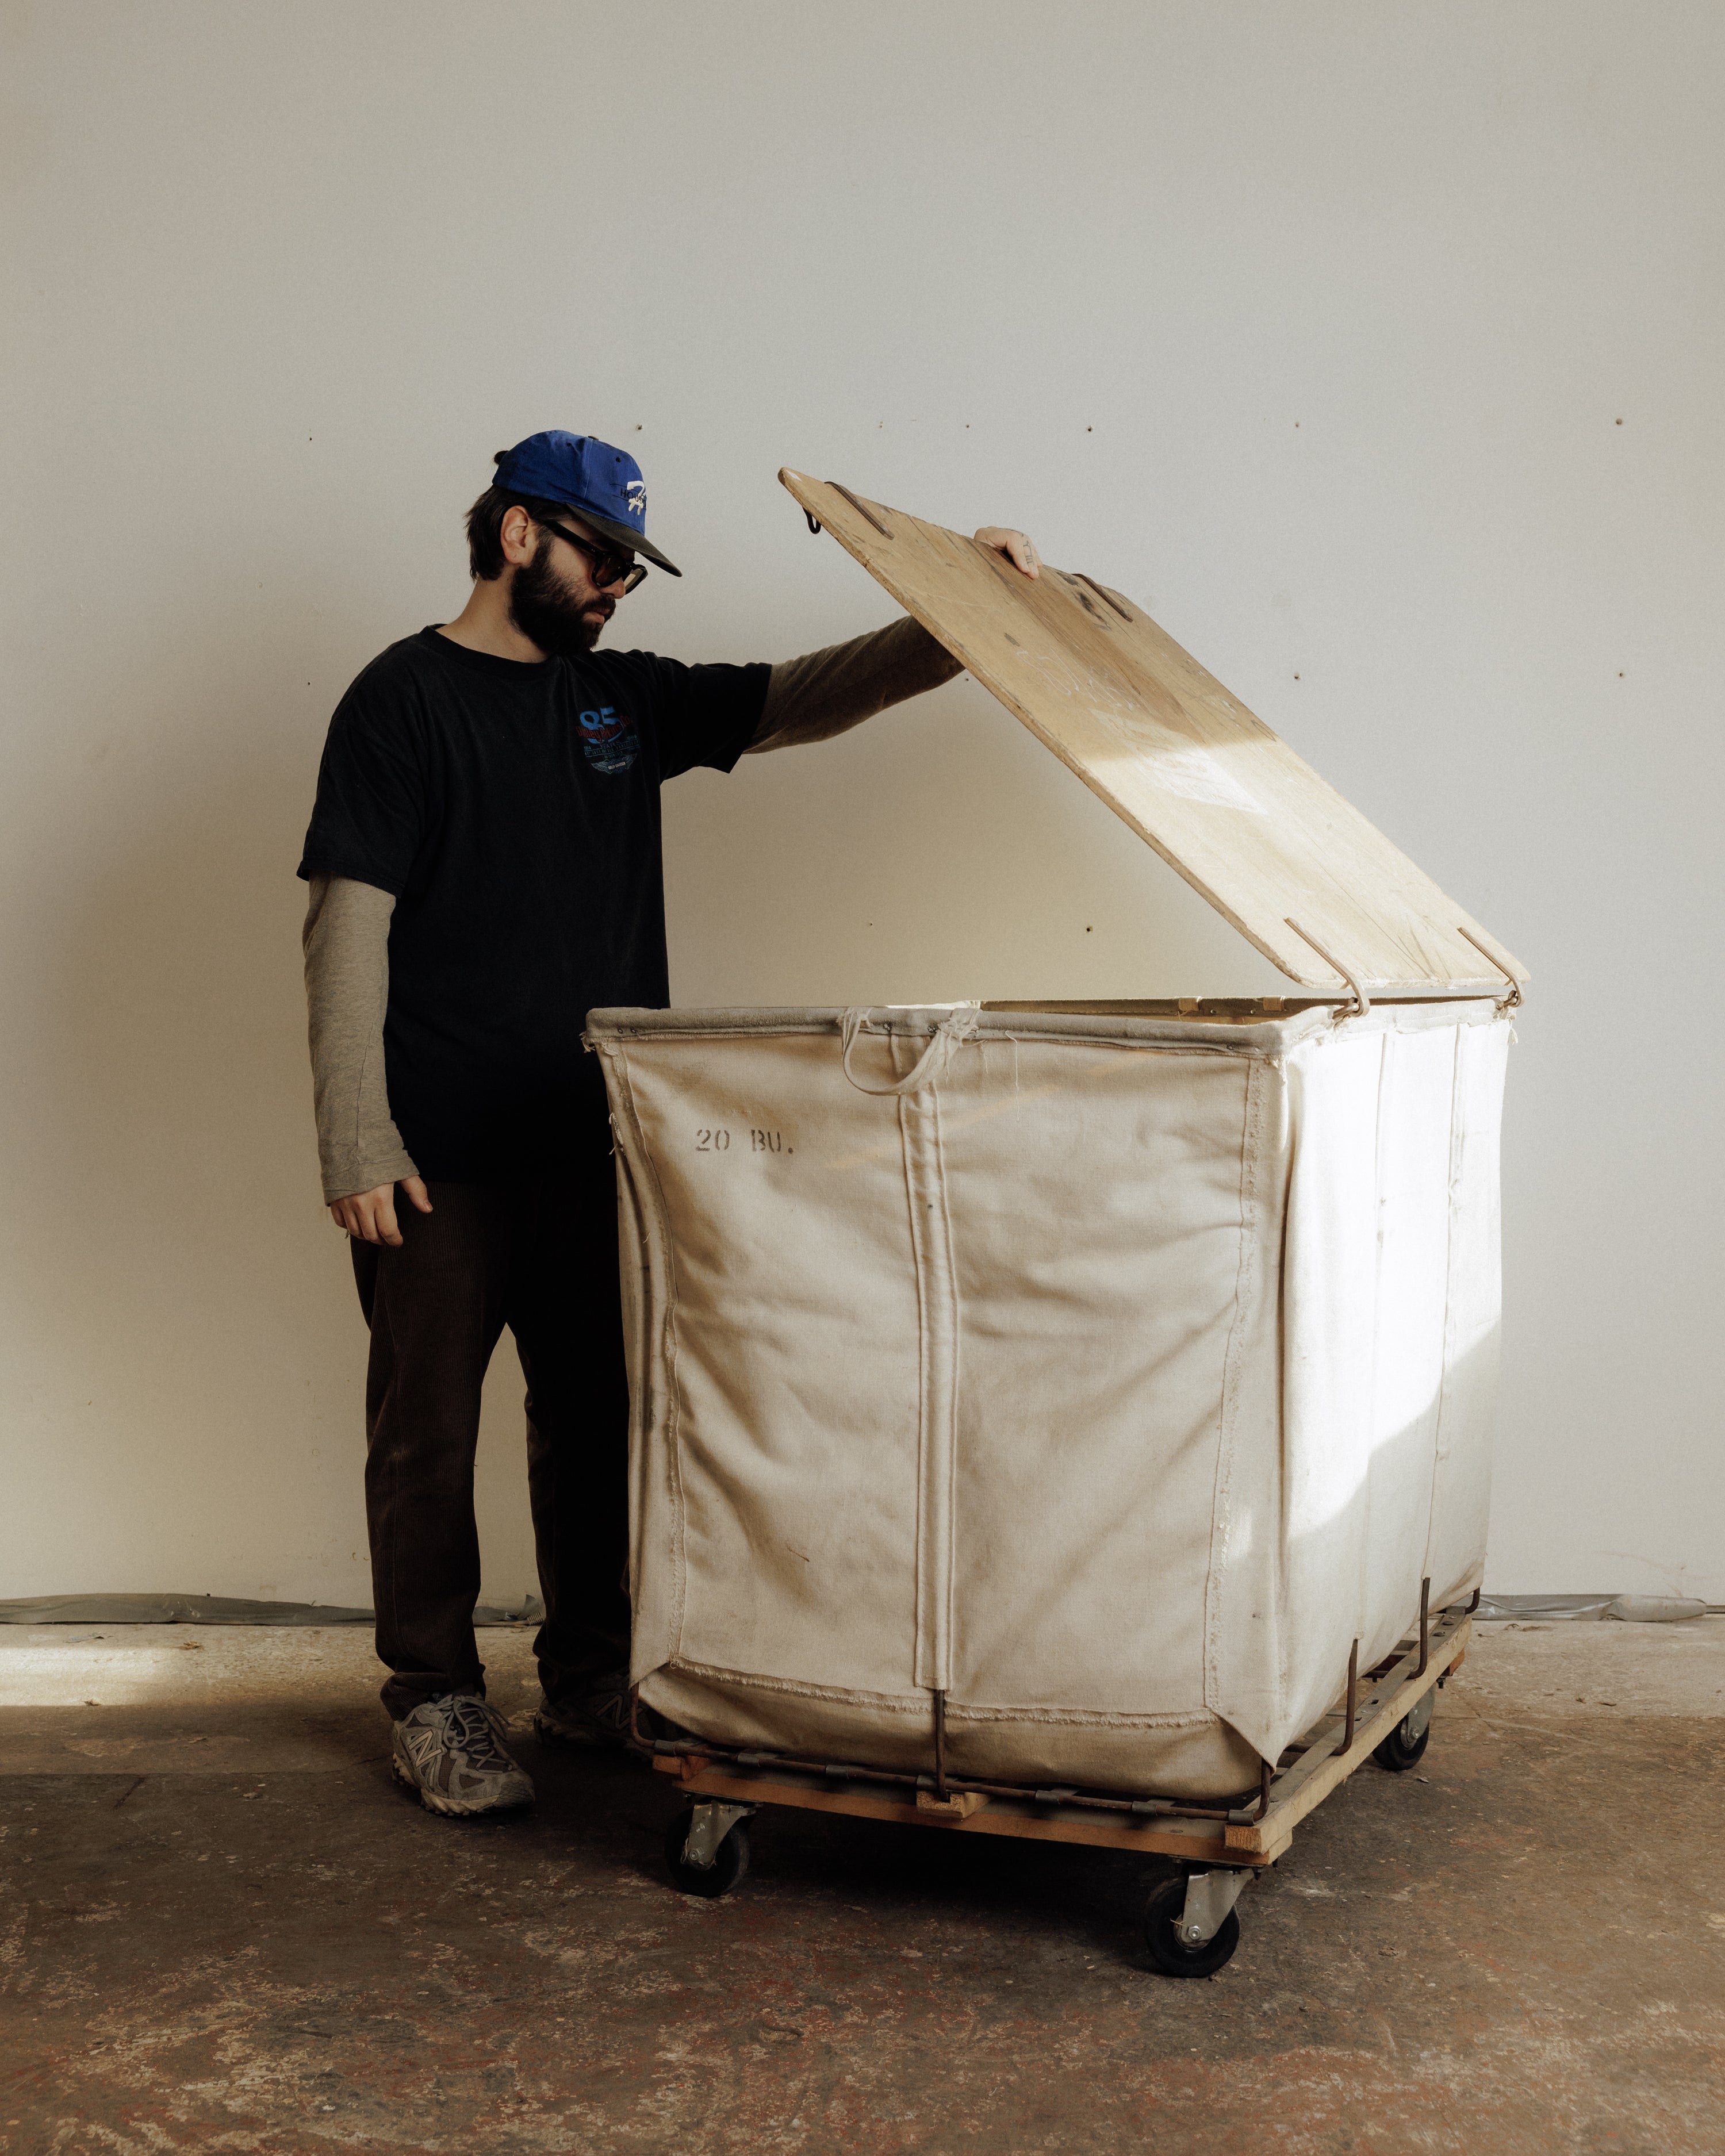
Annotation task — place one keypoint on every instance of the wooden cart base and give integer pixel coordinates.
(1369, 1717)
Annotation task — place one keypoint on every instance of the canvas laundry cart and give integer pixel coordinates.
(1072, 1421)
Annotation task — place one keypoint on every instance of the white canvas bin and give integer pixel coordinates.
(1111, 1384)
(1093, 1377)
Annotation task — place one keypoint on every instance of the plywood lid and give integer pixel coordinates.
(1300, 873)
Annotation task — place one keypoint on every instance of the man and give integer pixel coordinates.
(484, 859)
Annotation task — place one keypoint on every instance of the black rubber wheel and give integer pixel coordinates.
(728, 1869)
(1170, 1957)
(1398, 1751)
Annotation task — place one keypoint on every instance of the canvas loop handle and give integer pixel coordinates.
(931, 1066)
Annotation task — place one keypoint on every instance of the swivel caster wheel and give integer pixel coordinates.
(1405, 1747)
(1170, 1915)
(690, 1837)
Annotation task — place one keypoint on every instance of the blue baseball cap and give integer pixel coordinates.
(604, 483)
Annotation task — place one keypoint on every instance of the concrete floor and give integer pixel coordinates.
(224, 1929)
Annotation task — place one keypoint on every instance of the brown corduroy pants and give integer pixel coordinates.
(543, 1260)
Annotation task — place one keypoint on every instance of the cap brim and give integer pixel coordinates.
(621, 534)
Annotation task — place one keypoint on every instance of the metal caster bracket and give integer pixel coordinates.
(1209, 1895)
(1416, 1721)
(709, 1823)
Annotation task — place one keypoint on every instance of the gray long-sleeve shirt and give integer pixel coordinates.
(347, 933)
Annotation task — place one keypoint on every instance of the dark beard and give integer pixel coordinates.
(541, 608)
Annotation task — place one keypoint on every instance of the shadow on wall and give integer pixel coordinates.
(189, 1309)
(190, 1344)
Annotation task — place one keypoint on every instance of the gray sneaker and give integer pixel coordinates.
(450, 1749)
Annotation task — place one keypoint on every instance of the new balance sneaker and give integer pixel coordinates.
(450, 1749)
(600, 1716)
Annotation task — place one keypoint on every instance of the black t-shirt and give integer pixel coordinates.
(513, 811)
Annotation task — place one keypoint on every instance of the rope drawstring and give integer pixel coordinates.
(932, 1066)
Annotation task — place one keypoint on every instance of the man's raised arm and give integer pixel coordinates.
(827, 692)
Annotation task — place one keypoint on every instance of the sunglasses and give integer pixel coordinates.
(605, 565)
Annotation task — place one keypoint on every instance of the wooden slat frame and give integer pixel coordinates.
(1197, 1841)
(1224, 802)
(1321, 1766)
(1324, 1765)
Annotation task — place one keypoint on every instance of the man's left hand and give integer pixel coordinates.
(1016, 548)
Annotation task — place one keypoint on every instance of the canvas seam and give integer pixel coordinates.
(946, 1467)
(1454, 1165)
(1221, 1519)
(1245, 1051)
(637, 1342)
(918, 1273)
(1077, 1717)
(668, 1358)
(930, 1249)
(915, 1705)
(1385, 1062)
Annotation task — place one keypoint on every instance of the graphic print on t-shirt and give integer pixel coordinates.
(609, 740)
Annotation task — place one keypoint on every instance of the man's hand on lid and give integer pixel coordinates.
(1016, 548)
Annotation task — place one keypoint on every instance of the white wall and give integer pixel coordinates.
(1375, 348)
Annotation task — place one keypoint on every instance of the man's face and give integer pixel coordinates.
(553, 600)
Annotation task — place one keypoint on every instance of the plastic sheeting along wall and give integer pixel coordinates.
(1374, 353)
